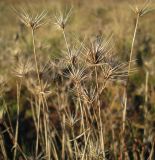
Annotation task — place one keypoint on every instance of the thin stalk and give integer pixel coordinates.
(39, 81)
(146, 91)
(96, 78)
(38, 126)
(146, 104)
(86, 143)
(124, 110)
(82, 127)
(63, 137)
(45, 133)
(98, 104)
(64, 34)
(82, 114)
(151, 156)
(35, 57)
(100, 127)
(47, 126)
(11, 132)
(75, 142)
(3, 147)
(34, 114)
(8, 116)
(54, 150)
(13, 140)
(101, 133)
(129, 67)
(133, 42)
(17, 121)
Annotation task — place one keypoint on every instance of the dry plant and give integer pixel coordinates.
(66, 97)
(139, 12)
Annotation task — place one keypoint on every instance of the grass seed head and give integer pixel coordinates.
(31, 21)
(88, 94)
(77, 74)
(98, 50)
(143, 9)
(114, 70)
(61, 18)
(38, 89)
(23, 68)
(72, 56)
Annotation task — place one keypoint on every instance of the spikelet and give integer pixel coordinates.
(142, 10)
(76, 74)
(61, 18)
(31, 21)
(97, 51)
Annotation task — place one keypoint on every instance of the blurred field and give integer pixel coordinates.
(99, 123)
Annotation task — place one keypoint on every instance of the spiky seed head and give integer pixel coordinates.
(23, 68)
(76, 74)
(97, 50)
(88, 94)
(72, 56)
(71, 120)
(61, 18)
(114, 70)
(142, 10)
(38, 89)
(31, 21)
